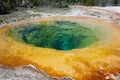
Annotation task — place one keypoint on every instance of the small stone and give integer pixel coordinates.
(107, 78)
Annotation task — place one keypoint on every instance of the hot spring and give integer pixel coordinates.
(60, 35)
(72, 46)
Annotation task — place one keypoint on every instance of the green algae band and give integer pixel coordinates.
(60, 35)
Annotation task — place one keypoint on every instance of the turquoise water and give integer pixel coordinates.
(60, 35)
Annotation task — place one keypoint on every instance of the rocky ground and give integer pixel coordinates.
(29, 72)
(107, 13)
